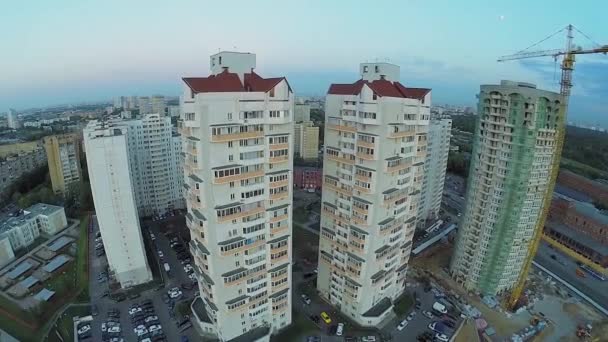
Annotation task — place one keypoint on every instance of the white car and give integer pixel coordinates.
(133, 311)
(441, 337)
(160, 254)
(432, 326)
(411, 316)
(147, 339)
(154, 328)
(402, 325)
(117, 339)
(340, 329)
(192, 277)
(175, 294)
(104, 327)
(151, 319)
(369, 339)
(140, 330)
(115, 329)
(84, 329)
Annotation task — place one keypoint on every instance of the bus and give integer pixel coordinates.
(593, 273)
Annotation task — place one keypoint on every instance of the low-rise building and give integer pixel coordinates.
(308, 178)
(6, 251)
(23, 228)
(579, 226)
(597, 190)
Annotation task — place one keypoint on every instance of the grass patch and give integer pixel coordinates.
(300, 327)
(582, 169)
(403, 304)
(65, 324)
(82, 259)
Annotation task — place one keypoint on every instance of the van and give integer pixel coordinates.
(440, 308)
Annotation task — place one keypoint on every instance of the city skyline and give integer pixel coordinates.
(449, 53)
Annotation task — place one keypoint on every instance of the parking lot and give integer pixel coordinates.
(146, 313)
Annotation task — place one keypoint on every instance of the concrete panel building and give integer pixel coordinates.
(63, 156)
(513, 150)
(302, 112)
(13, 119)
(158, 105)
(6, 251)
(115, 206)
(375, 149)
(14, 166)
(237, 130)
(306, 140)
(24, 227)
(438, 148)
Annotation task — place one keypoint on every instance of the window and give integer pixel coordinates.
(271, 92)
(365, 68)
(229, 116)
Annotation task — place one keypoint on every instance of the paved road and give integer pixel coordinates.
(104, 304)
(565, 267)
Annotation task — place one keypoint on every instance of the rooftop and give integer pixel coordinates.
(57, 262)
(252, 335)
(29, 282)
(199, 309)
(380, 88)
(44, 295)
(575, 235)
(11, 220)
(228, 82)
(60, 243)
(20, 269)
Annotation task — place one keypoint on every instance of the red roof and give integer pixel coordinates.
(230, 82)
(380, 88)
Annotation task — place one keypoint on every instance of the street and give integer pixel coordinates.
(564, 267)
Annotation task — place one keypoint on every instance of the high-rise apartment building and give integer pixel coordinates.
(306, 140)
(375, 148)
(12, 119)
(108, 161)
(513, 149)
(144, 104)
(155, 162)
(237, 132)
(157, 105)
(302, 112)
(438, 148)
(63, 156)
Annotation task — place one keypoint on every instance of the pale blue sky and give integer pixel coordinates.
(76, 50)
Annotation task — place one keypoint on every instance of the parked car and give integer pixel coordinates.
(428, 314)
(340, 329)
(368, 339)
(441, 337)
(402, 325)
(84, 329)
(305, 299)
(325, 317)
(411, 316)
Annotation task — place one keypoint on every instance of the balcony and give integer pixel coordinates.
(279, 218)
(366, 156)
(363, 143)
(341, 159)
(279, 195)
(239, 177)
(279, 159)
(252, 211)
(237, 136)
(397, 168)
(342, 128)
(274, 147)
(278, 184)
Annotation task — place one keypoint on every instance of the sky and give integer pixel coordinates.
(69, 51)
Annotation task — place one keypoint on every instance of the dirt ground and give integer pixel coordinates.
(438, 258)
(468, 333)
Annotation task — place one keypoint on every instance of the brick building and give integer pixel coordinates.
(580, 227)
(595, 189)
(307, 178)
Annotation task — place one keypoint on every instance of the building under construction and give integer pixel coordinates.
(514, 146)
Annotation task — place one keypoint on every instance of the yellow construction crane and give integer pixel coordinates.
(567, 67)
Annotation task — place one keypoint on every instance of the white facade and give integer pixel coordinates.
(113, 194)
(22, 230)
(237, 137)
(12, 119)
(144, 104)
(302, 112)
(174, 111)
(438, 148)
(375, 148)
(6, 251)
(157, 105)
(156, 162)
